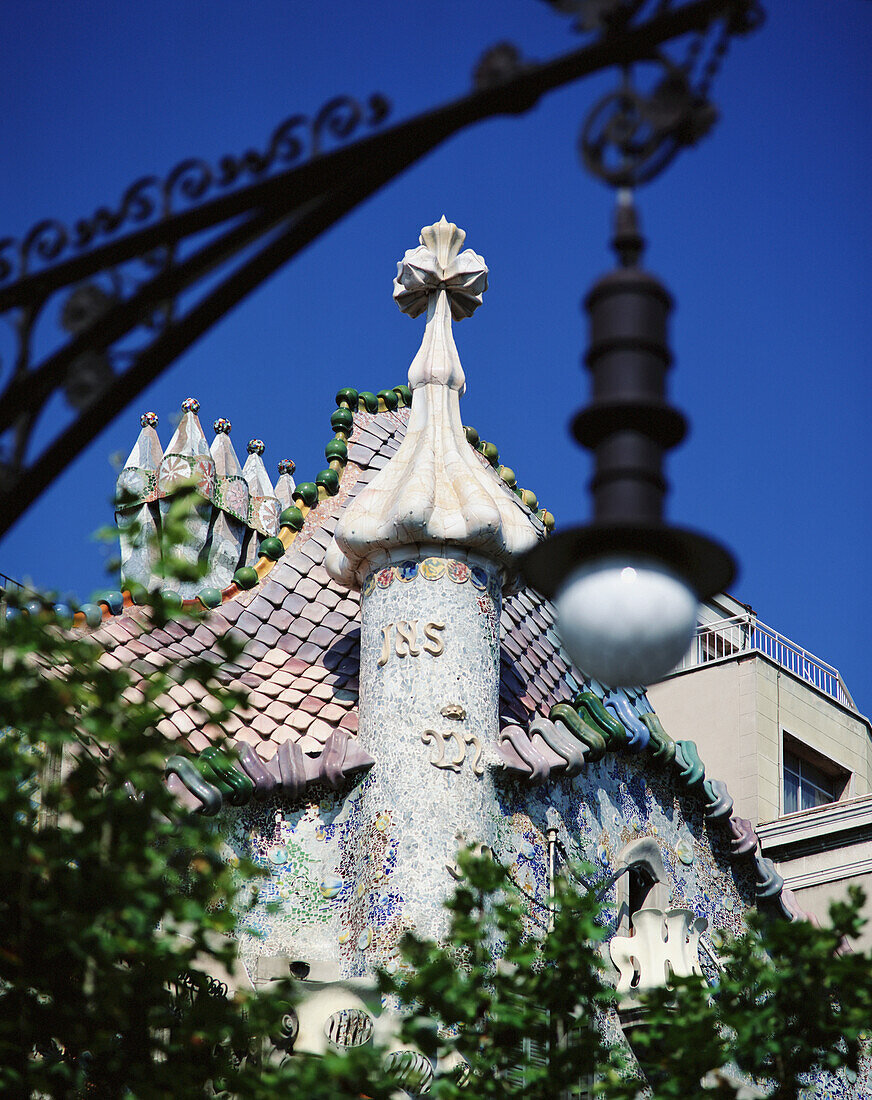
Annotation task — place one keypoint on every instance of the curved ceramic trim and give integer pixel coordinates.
(206, 784)
(567, 740)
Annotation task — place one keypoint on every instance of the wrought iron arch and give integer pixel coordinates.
(122, 280)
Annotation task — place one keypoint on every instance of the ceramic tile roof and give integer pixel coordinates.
(533, 665)
(302, 635)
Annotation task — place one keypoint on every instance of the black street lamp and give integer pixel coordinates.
(627, 585)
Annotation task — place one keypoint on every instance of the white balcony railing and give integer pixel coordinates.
(730, 637)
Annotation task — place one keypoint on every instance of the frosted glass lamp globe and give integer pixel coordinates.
(626, 621)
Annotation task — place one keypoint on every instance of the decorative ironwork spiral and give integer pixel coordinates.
(137, 206)
(286, 145)
(203, 983)
(338, 118)
(46, 241)
(190, 182)
(629, 137)
(289, 1029)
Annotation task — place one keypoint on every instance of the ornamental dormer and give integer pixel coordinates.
(664, 945)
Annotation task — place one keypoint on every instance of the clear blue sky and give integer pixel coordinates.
(762, 233)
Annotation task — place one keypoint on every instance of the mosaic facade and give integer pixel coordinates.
(349, 874)
(402, 703)
(426, 670)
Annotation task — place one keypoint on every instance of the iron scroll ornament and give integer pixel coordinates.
(630, 135)
(136, 291)
(192, 181)
(177, 254)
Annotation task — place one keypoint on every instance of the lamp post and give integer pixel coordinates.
(627, 585)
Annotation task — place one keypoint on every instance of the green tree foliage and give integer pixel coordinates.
(791, 1002)
(529, 1025)
(115, 905)
(112, 900)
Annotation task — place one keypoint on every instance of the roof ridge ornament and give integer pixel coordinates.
(263, 508)
(438, 278)
(187, 457)
(438, 264)
(435, 491)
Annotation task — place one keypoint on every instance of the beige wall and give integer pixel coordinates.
(816, 899)
(819, 852)
(736, 710)
(716, 706)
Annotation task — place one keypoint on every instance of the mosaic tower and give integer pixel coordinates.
(429, 544)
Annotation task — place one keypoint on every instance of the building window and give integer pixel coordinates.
(640, 883)
(810, 779)
(644, 886)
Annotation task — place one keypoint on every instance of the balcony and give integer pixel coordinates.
(738, 635)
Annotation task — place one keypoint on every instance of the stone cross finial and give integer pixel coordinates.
(439, 278)
(438, 264)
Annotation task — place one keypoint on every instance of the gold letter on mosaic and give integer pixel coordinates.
(402, 638)
(407, 639)
(387, 631)
(434, 644)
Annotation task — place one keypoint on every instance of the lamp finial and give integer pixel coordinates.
(628, 242)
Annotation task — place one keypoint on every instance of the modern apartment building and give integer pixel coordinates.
(781, 728)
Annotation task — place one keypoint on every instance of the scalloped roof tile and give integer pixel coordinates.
(302, 636)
